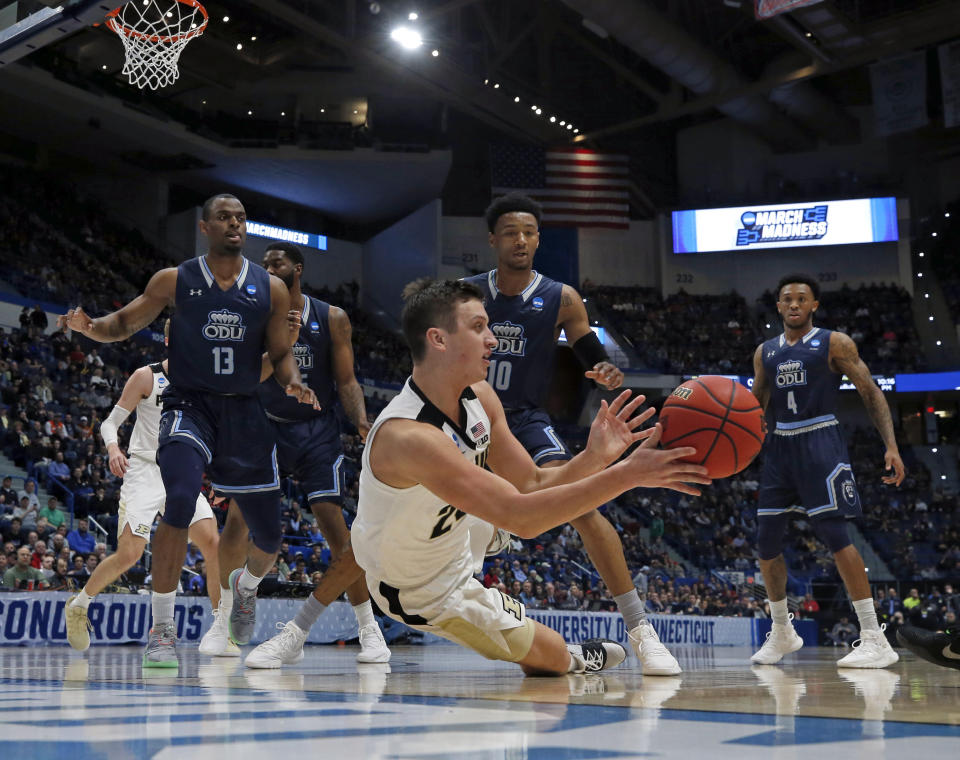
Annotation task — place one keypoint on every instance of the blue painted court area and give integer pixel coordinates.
(441, 702)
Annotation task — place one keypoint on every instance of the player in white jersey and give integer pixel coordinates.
(142, 498)
(442, 473)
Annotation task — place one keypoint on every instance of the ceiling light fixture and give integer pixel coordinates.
(406, 37)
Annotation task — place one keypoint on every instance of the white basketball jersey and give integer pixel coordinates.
(146, 430)
(408, 537)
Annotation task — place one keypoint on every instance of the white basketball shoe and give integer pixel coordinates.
(782, 639)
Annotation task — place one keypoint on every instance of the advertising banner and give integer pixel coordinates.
(785, 225)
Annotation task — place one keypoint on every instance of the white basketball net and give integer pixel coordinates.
(154, 33)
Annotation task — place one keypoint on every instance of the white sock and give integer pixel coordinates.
(162, 605)
(226, 600)
(248, 581)
(779, 612)
(81, 600)
(577, 664)
(364, 613)
(866, 614)
(631, 607)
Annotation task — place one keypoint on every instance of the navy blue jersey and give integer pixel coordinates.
(313, 354)
(521, 366)
(217, 337)
(802, 385)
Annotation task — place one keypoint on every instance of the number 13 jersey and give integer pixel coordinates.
(217, 336)
(409, 537)
(802, 385)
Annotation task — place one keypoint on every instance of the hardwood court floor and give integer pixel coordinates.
(441, 701)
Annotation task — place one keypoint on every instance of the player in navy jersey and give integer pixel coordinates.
(806, 468)
(527, 312)
(308, 447)
(227, 312)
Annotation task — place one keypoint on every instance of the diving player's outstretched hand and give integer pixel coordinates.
(605, 374)
(614, 428)
(303, 394)
(892, 461)
(76, 320)
(664, 468)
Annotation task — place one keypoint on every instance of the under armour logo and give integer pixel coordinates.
(770, 353)
(197, 292)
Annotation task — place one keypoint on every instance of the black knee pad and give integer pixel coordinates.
(770, 530)
(181, 468)
(833, 532)
(261, 512)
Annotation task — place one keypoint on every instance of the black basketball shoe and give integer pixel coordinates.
(938, 647)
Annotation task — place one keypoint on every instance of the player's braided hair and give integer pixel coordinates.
(432, 303)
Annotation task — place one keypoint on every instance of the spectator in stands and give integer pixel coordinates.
(30, 492)
(193, 555)
(60, 581)
(39, 552)
(80, 538)
(58, 468)
(912, 603)
(23, 575)
(12, 531)
(78, 572)
(52, 513)
(27, 513)
(10, 498)
(843, 632)
(809, 605)
(38, 319)
(492, 577)
(46, 566)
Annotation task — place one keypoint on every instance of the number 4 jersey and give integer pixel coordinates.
(803, 388)
(217, 337)
(409, 537)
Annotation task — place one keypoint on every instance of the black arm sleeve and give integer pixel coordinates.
(589, 351)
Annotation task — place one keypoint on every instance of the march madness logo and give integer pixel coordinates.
(303, 355)
(781, 226)
(510, 338)
(224, 325)
(791, 373)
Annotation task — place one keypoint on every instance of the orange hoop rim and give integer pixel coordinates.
(114, 22)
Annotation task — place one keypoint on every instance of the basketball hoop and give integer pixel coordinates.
(154, 33)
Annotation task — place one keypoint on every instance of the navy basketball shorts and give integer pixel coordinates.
(534, 429)
(808, 471)
(310, 451)
(233, 434)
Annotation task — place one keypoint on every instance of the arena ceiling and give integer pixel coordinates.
(617, 74)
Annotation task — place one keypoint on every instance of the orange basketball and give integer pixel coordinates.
(719, 417)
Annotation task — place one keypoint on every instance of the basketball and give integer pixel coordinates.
(719, 417)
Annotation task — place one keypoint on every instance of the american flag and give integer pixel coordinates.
(477, 430)
(577, 187)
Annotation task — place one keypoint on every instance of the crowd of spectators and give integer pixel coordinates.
(682, 333)
(686, 334)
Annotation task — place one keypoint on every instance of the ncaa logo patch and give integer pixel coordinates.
(314, 326)
(251, 290)
(815, 342)
(537, 304)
